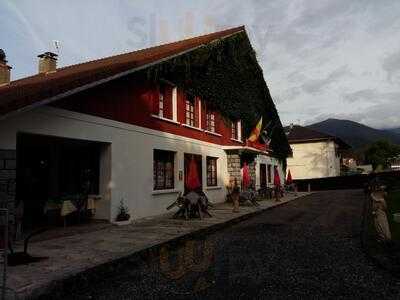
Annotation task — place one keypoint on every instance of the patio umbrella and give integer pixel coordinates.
(277, 178)
(289, 179)
(192, 180)
(245, 176)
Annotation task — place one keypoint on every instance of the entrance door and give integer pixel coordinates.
(263, 175)
(193, 167)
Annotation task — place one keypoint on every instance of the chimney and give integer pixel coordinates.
(4, 69)
(47, 62)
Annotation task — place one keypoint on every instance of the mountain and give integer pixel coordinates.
(355, 134)
(395, 130)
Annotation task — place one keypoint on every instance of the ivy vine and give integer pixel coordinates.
(226, 74)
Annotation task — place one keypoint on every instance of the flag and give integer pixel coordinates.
(266, 135)
(255, 133)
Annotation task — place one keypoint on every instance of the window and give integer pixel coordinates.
(163, 167)
(211, 171)
(166, 103)
(190, 120)
(161, 95)
(235, 130)
(269, 175)
(210, 121)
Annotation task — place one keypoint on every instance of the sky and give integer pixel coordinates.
(321, 58)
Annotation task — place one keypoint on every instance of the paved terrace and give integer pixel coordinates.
(70, 255)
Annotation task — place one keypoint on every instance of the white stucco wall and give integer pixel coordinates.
(129, 158)
(314, 160)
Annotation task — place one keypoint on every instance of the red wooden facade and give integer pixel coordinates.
(135, 101)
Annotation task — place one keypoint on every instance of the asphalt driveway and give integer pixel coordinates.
(308, 248)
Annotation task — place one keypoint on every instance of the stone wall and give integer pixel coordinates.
(252, 169)
(234, 169)
(8, 172)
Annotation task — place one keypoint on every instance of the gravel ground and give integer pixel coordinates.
(308, 249)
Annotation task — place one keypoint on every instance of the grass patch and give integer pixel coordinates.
(393, 203)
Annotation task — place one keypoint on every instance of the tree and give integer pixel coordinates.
(381, 153)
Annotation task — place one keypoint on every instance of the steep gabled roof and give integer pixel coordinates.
(39, 89)
(299, 134)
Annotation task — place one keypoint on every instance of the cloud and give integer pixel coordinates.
(370, 95)
(317, 85)
(314, 53)
(376, 116)
(391, 64)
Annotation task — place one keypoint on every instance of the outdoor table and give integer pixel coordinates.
(66, 207)
(92, 202)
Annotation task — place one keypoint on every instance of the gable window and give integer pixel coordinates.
(163, 169)
(236, 130)
(161, 94)
(211, 171)
(210, 121)
(165, 105)
(190, 115)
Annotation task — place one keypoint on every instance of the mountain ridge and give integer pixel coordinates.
(395, 130)
(356, 134)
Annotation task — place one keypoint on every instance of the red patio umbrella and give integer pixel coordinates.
(277, 178)
(245, 176)
(192, 179)
(289, 179)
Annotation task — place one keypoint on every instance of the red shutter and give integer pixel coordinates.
(196, 111)
(154, 97)
(181, 106)
(217, 122)
(203, 115)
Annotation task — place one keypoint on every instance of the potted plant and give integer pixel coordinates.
(123, 217)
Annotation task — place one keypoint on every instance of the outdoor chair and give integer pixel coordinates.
(290, 188)
(249, 196)
(22, 258)
(265, 192)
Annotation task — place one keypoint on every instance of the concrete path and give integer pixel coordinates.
(70, 255)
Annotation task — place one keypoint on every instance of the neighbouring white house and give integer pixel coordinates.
(314, 154)
(395, 164)
(111, 130)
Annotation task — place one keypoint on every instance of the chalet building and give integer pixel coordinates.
(126, 127)
(314, 154)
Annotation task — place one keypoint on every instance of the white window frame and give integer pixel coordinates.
(175, 104)
(161, 97)
(174, 97)
(239, 131)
